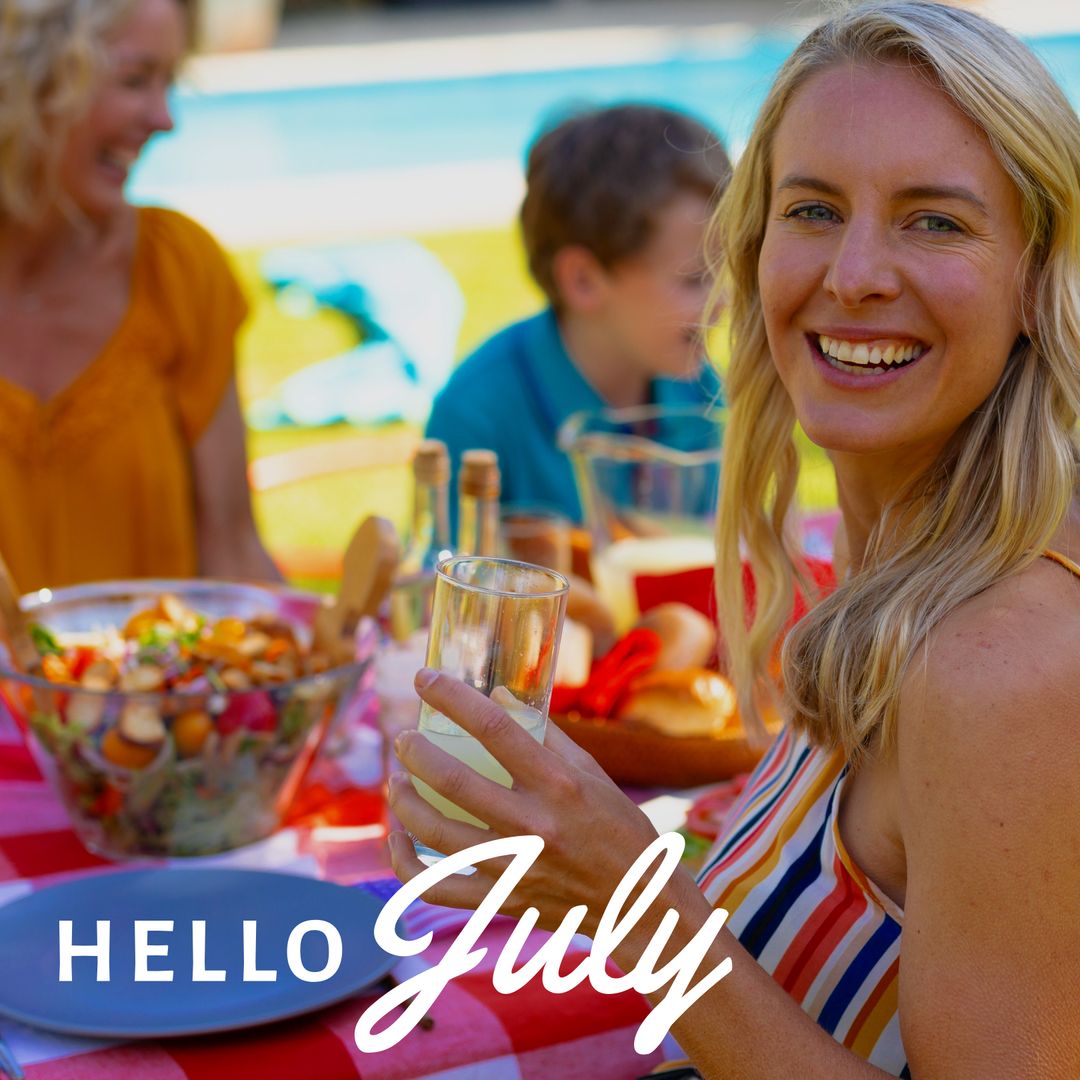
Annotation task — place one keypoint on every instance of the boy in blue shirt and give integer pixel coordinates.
(616, 205)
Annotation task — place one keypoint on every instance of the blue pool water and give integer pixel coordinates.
(298, 133)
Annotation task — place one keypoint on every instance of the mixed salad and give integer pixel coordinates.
(179, 734)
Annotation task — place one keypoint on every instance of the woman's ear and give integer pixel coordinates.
(580, 279)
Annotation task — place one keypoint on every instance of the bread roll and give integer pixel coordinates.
(690, 702)
(584, 605)
(688, 638)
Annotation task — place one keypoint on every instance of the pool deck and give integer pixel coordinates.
(375, 44)
(380, 45)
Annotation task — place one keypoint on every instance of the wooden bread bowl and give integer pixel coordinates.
(635, 754)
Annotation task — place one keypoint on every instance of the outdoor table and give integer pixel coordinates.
(477, 1033)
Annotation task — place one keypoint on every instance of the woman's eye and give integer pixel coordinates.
(814, 212)
(936, 223)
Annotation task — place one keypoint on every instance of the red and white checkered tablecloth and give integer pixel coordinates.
(478, 1033)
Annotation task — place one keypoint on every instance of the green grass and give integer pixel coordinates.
(322, 513)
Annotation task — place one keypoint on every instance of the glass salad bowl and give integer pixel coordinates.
(176, 717)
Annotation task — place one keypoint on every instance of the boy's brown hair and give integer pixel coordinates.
(600, 178)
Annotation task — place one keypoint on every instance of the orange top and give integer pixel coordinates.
(97, 481)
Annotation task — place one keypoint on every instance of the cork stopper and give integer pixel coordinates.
(431, 465)
(480, 474)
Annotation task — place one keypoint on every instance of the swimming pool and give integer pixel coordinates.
(249, 153)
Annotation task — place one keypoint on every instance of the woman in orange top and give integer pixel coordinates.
(121, 440)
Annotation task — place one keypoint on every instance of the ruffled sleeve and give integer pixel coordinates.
(202, 299)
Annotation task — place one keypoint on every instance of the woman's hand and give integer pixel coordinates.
(746, 1026)
(592, 832)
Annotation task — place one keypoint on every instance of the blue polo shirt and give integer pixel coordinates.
(513, 394)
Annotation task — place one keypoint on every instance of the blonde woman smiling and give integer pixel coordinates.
(901, 246)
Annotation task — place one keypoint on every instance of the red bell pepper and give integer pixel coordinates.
(631, 656)
(79, 658)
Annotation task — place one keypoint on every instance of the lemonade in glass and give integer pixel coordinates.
(495, 625)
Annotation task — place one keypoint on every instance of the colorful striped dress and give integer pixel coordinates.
(801, 907)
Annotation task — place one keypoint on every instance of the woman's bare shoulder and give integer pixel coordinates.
(1002, 670)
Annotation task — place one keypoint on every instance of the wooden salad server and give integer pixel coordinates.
(14, 631)
(368, 568)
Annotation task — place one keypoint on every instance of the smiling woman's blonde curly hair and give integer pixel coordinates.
(50, 59)
(1002, 486)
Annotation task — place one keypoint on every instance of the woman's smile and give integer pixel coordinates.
(858, 362)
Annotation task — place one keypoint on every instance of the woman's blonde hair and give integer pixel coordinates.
(50, 59)
(1002, 486)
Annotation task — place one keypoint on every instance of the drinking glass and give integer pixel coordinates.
(495, 625)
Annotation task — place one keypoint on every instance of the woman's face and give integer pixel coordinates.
(889, 272)
(142, 55)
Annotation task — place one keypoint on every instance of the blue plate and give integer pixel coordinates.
(31, 991)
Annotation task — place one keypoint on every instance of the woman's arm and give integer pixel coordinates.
(228, 542)
(989, 754)
(745, 1027)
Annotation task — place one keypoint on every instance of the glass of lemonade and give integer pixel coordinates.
(495, 625)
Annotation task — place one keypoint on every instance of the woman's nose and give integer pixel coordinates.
(159, 115)
(862, 267)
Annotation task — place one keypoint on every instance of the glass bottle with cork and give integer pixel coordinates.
(479, 485)
(428, 542)
(429, 538)
(408, 613)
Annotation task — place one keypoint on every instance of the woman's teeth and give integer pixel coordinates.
(119, 159)
(868, 359)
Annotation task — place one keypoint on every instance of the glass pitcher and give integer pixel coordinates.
(648, 479)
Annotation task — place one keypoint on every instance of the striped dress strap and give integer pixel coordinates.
(1062, 560)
